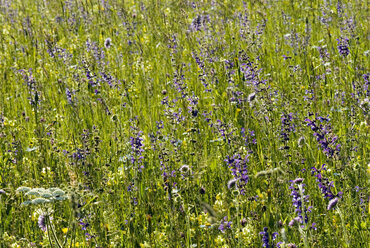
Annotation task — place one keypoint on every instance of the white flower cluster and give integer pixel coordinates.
(42, 196)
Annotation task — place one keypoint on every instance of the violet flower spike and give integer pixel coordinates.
(42, 222)
(333, 203)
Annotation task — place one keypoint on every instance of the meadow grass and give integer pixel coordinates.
(184, 124)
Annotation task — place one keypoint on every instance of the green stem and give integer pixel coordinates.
(344, 228)
(47, 229)
(66, 238)
(53, 232)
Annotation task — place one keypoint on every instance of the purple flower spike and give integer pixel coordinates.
(108, 43)
(297, 180)
(314, 226)
(224, 225)
(42, 222)
(265, 238)
(343, 47)
(333, 203)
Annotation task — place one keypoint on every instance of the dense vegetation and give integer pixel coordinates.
(184, 124)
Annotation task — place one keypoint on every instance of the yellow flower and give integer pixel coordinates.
(335, 221)
(219, 240)
(145, 244)
(65, 230)
(200, 219)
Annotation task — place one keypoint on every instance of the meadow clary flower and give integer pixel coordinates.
(313, 226)
(238, 166)
(332, 203)
(324, 184)
(294, 220)
(265, 238)
(224, 224)
(343, 47)
(297, 180)
(69, 96)
(108, 43)
(299, 200)
(324, 135)
(291, 245)
(286, 126)
(137, 147)
(42, 222)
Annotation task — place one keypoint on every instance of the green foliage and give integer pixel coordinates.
(139, 119)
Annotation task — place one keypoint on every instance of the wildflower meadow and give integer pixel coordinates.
(178, 123)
